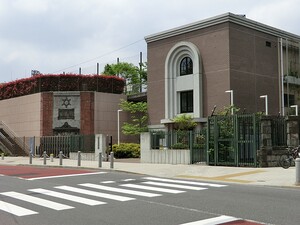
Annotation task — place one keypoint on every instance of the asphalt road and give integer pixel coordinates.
(116, 198)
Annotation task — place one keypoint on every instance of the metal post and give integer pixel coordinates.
(30, 158)
(100, 159)
(111, 160)
(266, 103)
(2, 156)
(45, 157)
(79, 159)
(60, 158)
(51, 157)
(297, 162)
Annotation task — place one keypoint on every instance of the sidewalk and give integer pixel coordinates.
(275, 176)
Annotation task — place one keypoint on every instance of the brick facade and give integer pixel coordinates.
(46, 114)
(87, 113)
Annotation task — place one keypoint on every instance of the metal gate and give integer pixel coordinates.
(233, 140)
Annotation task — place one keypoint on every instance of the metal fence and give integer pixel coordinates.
(193, 141)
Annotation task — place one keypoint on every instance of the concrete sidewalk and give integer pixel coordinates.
(275, 176)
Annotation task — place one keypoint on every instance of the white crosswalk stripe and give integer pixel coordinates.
(120, 190)
(213, 221)
(147, 187)
(72, 198)
(184, 182)
(94, 193)
(174, 185)
(37, 201)
(158, 189)
(15, 210)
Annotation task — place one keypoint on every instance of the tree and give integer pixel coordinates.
(138, 115)
(133, 75)
(184, 122)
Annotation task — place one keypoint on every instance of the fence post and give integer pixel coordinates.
(111, 160)
(79, 159)
(60, 158)
(45, 157)
(2, 156)
(100, 160)
(297, 162)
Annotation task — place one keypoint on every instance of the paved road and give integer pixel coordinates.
(76, 197)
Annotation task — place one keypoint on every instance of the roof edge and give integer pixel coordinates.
(226, 17)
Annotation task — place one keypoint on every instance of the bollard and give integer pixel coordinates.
(60, 158)
(2, 156)
(45, 157)
(297, 163)
(79, 159)
(100, 160)
(51, 157)
(30, 158)
(111, 160)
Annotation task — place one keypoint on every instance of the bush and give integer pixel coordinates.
(126, 150)
(180, 146)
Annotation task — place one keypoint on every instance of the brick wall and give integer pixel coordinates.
(46, 114)
(87, 113)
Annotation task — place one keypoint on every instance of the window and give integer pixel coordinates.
(186, 66)
(289, 100)
(268, 44)
(186, 102)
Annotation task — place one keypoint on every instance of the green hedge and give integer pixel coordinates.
(126, 150)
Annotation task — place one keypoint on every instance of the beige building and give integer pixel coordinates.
(191, 67)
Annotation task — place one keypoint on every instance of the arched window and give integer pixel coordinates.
(186, 66)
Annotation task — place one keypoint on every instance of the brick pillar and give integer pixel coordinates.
(265, 141)
(87, 113)
(292, 129)
(46, 114)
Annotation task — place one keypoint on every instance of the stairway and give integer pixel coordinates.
(10, 143)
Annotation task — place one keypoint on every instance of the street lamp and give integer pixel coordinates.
(119, 110)
(296, 109)
(266, 102)
(231, 99)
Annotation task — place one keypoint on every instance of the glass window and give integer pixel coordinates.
(186, 66)
(289, 100)
(186, 102)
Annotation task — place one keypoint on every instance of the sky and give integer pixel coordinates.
(56, 36)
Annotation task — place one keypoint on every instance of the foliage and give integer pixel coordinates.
(226, 111)
(138, 116)
(126, 150)
(62, 82)
(180, 146)
(184, 122)
(131, 73)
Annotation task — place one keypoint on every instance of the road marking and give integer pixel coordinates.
(213, 221)
(15, 210)
(72, 198)
(108, 182)
(228, 177)
(66, 175)
(94, 193)
(120, 190)
(37, 201)
(174, 185)
(143, 187)
(184, 182)
(127, 180)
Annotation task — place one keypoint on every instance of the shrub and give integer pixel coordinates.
(126, 150)
(180, 146)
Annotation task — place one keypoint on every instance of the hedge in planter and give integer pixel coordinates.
(126, 150)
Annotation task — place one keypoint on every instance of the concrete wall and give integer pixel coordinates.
(106, 116)
(22, 114)
(163, 156)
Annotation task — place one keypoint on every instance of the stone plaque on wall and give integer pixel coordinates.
(66, 114)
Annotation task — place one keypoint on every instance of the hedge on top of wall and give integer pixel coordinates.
(62, 82)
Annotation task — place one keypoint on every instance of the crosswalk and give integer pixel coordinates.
(97, 193)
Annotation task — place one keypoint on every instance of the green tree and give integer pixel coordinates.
(133, 75)
(184, 122)
(138, 116)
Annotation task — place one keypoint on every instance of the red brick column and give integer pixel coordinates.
(46, 114)
(87, 113)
